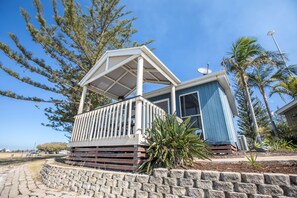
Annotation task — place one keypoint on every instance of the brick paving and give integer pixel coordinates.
(17, 181)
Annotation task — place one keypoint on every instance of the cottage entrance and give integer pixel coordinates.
(112, 136)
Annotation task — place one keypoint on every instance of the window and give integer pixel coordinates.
(163, 104)
(190, 107)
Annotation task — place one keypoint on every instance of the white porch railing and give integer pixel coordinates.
(113, 124)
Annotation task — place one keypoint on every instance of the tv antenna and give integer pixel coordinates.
(204, 70)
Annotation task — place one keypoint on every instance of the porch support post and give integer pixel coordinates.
(173, 102)
(82, 100)
(139, 88)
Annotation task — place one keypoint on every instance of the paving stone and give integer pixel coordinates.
(277, 179)
(215, 194)
(141, 194)
(135, 186)
(116, 190)
(156, 180)
(171, 196)
(176, 173)
(128, 192)
(293, 179)
(142, 178)
(185, 182)
(149, 187)
(155, 195)
(160, 172)
(223, 186)
(170, 181)
(122, 184)
(268, 189)
(256, 178)
(179, 191)
(290, 191)
(260, 196)
(164, 189)
(230, 177)
(247, 188)
(236, 195)
(204, 184)
(210, 175)
(195, 192)
(193, 174)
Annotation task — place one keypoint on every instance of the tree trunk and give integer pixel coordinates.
(248, 97)
(269, 112)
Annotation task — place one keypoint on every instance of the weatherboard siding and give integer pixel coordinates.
(217, 118)
(228, 116)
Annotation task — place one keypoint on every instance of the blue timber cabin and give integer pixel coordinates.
(113, 136)
(209, 101)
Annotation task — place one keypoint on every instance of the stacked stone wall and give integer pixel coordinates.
(169, 184)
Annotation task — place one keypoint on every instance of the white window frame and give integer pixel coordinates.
(198, 98)
(163, 100)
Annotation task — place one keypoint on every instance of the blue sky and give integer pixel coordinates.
(188, 34)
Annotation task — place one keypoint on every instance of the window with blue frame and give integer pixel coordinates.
(190, 107)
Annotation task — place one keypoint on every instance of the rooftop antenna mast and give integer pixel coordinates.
(204, 70)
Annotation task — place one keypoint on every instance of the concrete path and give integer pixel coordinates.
(16, 181)
(270, 158)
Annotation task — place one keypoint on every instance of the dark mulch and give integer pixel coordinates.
(287, 167)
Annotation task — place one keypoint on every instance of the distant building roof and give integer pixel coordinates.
(287, 107)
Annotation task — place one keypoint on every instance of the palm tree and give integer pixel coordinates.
(288, 87)
(244, 53)
(263, 77)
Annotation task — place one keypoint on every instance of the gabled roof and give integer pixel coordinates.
(114, 74)
(220, 76)
(287, 107)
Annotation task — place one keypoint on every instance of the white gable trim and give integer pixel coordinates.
(111, 69)
(134, 52)
(94, 69)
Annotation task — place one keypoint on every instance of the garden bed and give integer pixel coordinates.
(287, 167)
(259, 154)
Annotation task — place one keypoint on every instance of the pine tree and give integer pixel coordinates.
(245, 123)
(73, 44)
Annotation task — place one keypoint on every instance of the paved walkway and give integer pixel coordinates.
(270, 158)
(16, 181)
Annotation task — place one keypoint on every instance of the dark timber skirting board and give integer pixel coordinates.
(223, 149)
(120, 158)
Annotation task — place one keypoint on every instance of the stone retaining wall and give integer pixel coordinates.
(169, 184)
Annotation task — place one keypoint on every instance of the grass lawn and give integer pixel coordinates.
(35, 167)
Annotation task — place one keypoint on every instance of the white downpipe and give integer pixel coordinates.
(173, 101)
(139, 90)
(82, 100)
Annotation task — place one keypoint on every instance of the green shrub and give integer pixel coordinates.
(52, 147)
(173, 144)
(280, 144)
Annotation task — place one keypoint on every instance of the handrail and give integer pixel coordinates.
(114, 120)
(108, 105)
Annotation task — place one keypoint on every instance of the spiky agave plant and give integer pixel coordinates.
(173, 144)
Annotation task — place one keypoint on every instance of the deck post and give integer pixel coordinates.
(139, 88)
(173, 101)
(82, 100)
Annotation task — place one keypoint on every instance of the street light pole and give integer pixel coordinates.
(271, 33)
